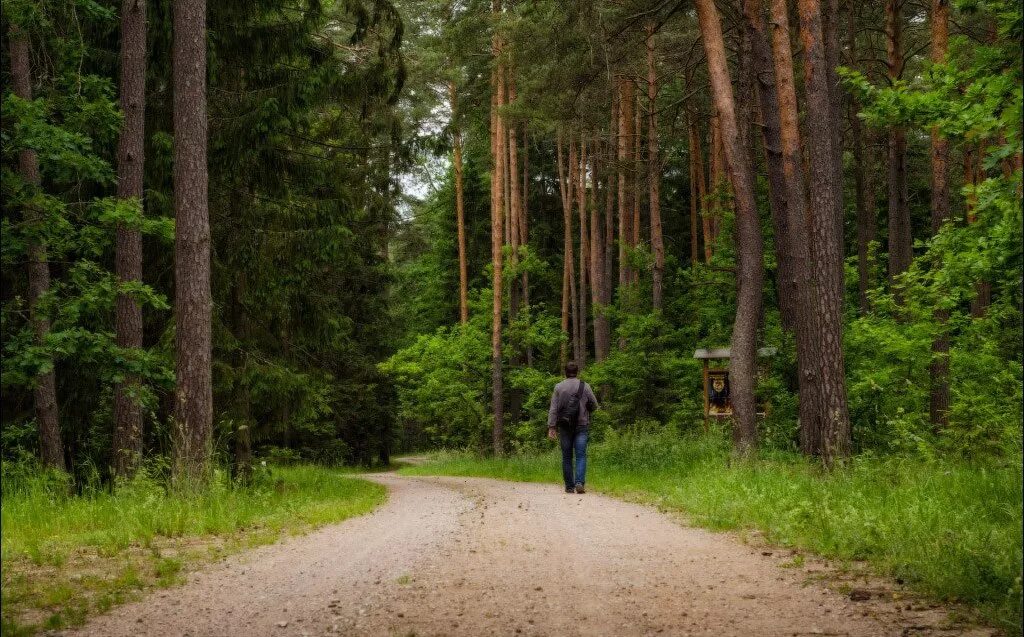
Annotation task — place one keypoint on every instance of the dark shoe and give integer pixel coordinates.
(579, 488)
(570, 490)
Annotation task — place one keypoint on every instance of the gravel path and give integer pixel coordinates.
(462, 556)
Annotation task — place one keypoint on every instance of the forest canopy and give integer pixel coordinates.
(337, 230)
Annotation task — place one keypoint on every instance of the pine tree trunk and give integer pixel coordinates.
(574, 309)
(827, 239)
(497, 235)
(939, 370)
(694, 139)
(597, 267)
(974, 174)
(515, 207)
(635, 184)
(193, 409)
(900, 238)
(581, 312)
(799, 286)
(718, 184)
(625, 151)
(460, 208)
(565, 187)
(768, 100)
(127, 439)
(750, 266)
(610, 206)
(654, 176)
(863, 183)
(243, 426)
(524, 228)
(45, 392)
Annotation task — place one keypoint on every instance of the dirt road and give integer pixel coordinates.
(455, 556)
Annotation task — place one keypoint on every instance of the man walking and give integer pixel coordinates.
(569, 420)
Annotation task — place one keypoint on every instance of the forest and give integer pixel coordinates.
(249, 234)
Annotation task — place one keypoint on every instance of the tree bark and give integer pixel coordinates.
(243, 426)
(610, 207)
(581, 312)
(597, 267)
(497, 235)
(127, 439)
(574, 308)
(460, 207)
(565, 182)
(799, 285)
(863, 179)
(625, 152)
(654, 177)
(718, 185)
(193, 409)
(939, 370)
(900, 238)
(515, 206)
(750, 266)
(827, 239)
(695, 204)
(524, 229)
(635, 184)
(45, 391)
(973, 175)
(768, 101)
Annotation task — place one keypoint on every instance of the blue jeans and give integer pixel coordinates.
(573, 441)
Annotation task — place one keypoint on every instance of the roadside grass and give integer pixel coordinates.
(66, 557)
(951, 530)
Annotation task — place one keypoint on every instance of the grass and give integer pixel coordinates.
(950, 530)
(65, 557)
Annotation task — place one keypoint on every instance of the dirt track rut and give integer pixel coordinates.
(462, 556)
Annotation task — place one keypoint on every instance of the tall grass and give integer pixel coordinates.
(952, 530)
(142, 534)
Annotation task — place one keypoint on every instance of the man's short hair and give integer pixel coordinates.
(572, 369)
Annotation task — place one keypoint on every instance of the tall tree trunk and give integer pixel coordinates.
(973, 175)
(497, 235)
(827, 238)
(460, 207)
(625, 152)
(597, 265)
(750, 266)
(574, 308)
(900, 239)
(799, 286)
(243, 426)
(863, 179)
(565, 182)
(193, 409)
(524, 228)
(695, 204)
(515, 205)
(45, 392)
(610, 204)
(581, 312)
(939, 371)
(768, 100)
(127, 440)
(718, 185)
(654, 176)
(635, 183)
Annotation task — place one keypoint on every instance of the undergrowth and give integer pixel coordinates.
(949, 529)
